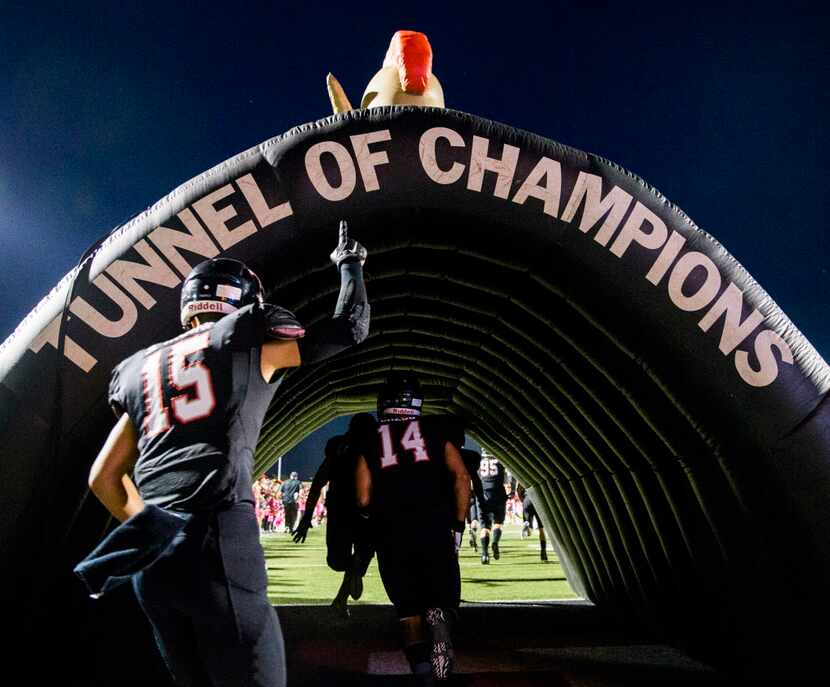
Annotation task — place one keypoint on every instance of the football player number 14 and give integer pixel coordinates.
(192, 379)
(410, 441)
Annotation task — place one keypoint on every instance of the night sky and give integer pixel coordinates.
(107, 107)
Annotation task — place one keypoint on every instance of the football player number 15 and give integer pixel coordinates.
(410, 441)
(192, 379)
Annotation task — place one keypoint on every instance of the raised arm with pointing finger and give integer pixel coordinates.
(350, 323)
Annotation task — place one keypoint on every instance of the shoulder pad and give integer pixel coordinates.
(450, 427)
(280, 324)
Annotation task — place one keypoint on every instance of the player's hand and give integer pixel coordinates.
(301, 531)
(347, 249)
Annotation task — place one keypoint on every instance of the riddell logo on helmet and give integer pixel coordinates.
(208, 305)
(400, 411)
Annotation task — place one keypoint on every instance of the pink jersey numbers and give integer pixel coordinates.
(192, 379)
(410, 441)
(156, 416)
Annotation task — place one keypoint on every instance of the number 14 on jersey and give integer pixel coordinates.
(410, 441)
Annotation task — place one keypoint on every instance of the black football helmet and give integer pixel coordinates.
(219, 285)
(400, 397)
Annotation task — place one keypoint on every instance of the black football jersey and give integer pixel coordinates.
(197, 402)
(491, 472)
(472, 461)
(409, 474)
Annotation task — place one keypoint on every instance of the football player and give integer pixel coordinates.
(472, 460)
(492, 508)
(191, 409)
(403, 475)
(529, 513)
(345, 529)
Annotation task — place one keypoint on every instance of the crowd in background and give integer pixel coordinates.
(270, 512)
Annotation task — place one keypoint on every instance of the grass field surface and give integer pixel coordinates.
(298, 574)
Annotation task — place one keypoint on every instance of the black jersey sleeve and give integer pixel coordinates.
(255, 324)
(116, 395)
(348, 326)
(472, 460)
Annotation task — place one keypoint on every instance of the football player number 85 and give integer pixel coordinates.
(193, 379)
(410, 441)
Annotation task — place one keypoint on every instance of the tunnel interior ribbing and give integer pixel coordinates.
(637, 494)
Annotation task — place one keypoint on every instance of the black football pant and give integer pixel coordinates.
(420, 573)
(208, 607)
(492, 512)
(344, 530)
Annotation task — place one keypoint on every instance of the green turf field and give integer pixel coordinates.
(297, 573)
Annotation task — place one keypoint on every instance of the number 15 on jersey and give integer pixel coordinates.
(192, 380)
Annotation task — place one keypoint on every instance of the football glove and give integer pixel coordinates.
(301, 531)
(347, 249)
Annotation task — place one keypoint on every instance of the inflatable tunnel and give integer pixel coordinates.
(672, 421)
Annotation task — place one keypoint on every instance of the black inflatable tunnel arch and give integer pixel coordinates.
(671, 419)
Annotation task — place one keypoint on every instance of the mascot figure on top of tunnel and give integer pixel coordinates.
(406, 77)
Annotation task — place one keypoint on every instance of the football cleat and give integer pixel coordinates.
(341, 607)
(485, 559)
(355, 579)
(443, 656)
